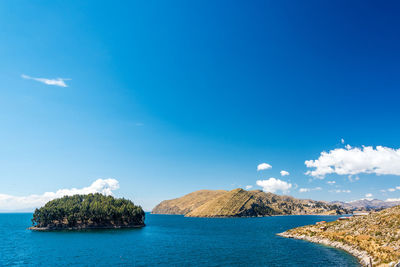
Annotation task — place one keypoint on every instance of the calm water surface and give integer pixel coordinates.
(169, 240)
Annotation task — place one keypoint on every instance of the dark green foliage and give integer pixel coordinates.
(88, 211)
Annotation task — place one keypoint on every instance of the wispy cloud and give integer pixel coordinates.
(248, 187)
(10, 202)
(353, 178)
(56, 81)
(352, 161)
(340, 191)
(390, 189)
(303, 190)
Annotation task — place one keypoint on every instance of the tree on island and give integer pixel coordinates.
(88, 211)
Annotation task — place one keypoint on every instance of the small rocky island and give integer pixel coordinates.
(92, 211)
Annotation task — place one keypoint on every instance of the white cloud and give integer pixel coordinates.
(56, 82)
(284, 173)
(393, 200)
(263, 166)
(391, 189)
(353, 179)
(331, 182)
(248, 187)
(369, 195)
(340, 191)
(303, 190)
(273, 185)
(9, 202)
(352, 161)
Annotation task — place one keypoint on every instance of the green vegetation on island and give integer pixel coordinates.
(87, 211)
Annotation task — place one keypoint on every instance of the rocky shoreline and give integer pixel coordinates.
(362, 256)
(46, 229)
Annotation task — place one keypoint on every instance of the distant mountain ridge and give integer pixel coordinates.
(242, 203)
(366, 204)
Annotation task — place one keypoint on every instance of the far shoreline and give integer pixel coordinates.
(266, 216)
(50, 229)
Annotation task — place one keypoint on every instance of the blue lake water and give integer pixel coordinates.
(169, 240)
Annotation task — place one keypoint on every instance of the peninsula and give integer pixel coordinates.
(242, 203)
(374, 239)
(92, 211)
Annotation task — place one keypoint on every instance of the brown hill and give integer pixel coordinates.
(242, 203)
(374, 239)
(187, 203)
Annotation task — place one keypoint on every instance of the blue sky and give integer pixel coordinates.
(172, 97)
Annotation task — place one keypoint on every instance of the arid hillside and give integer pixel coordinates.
(242, 203)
